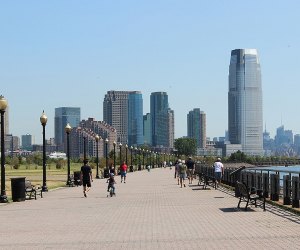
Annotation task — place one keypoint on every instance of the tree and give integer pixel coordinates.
(186, 146)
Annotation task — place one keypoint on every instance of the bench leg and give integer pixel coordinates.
(239, 202)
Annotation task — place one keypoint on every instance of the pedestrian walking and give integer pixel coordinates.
(182, 173)
(86, 177)
(219, 171)
(123, 170)
(190, 169)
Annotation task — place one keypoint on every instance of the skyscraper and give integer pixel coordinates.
(63, 116)
(27, 141)
(135, 118)
(123, 110)
(245, 117)
(196, 124)
(162, 120)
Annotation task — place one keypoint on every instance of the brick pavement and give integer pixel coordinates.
(150, 211)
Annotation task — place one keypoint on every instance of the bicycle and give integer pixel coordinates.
(111, 191)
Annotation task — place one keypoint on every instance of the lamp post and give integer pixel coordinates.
(97, 137)
(131, 149)
(43, 120)
(106, 154)
(84, 148)
(68, 130)
(114, 154)
(120, 145)
(126, 149)
(143, 152)
(3, 105)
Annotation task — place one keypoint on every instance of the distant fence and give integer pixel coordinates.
(275, 184)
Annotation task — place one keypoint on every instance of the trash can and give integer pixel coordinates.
(131, 168)
(18, 189)
(77, 180)
(106, 173)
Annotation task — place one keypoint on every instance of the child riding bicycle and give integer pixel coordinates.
(111, 183)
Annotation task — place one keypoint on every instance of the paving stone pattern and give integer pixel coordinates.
(150, 211)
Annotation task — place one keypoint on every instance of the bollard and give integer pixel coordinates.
(266, 185)
(258, 181)
(295, 191)
(286, 190)
(275, 187)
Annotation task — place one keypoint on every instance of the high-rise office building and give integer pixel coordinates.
(123, 110)
(63, 116)
(27, 142)
(162, 120)
(245, 116)
(196, 125)
(135, 118)
(147, 129)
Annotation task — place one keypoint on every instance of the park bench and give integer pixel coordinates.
(206, 180)
(76, 178)
(32, 190)
(250, 196)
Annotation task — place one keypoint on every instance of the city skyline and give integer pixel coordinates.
(56, 55)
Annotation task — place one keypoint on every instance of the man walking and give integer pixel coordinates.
(219, 171)
(190, 169)
(86, 177)
(123, 170)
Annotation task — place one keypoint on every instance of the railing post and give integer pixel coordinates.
(295, 191)
(266, 185)
(275, 187)
(286, 190)
(258, 181)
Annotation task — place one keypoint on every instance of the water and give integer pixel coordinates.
(283, 170)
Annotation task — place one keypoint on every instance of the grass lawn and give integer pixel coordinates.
(55, 177)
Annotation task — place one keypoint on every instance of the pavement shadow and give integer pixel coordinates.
(204, 189)
(235, 209)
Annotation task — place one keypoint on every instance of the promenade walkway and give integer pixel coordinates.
(150, 211)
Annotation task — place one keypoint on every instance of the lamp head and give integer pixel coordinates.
(97, 137)
(68, 128)
(3, 103)
(43, 118)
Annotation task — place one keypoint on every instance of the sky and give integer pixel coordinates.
(69, 53)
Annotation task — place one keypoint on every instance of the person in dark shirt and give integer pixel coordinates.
(190, 169)
(86, 177)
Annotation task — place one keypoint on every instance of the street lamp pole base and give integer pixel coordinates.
(97, 176)
(3, 199)
(70, 183)
(44, 188)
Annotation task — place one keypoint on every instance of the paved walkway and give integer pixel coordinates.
(149, 212)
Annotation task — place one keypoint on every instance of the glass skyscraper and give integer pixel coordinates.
(245, 115)
(63, 116)
(162, 120)
(135, 118)
(196, 127)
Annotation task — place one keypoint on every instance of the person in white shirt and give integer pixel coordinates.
(219, 170)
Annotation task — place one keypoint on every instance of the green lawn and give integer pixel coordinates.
(55, 177)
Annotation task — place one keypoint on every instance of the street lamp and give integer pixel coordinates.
(131, 149)
(106, 154)
(143, 152)
(97, 137)
(120, 145)
(126, 149)
(114, 154)
(3, 105)
(43, 120)
(84, 148)
(68, 130)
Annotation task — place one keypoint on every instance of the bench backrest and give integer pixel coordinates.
(243, 189)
